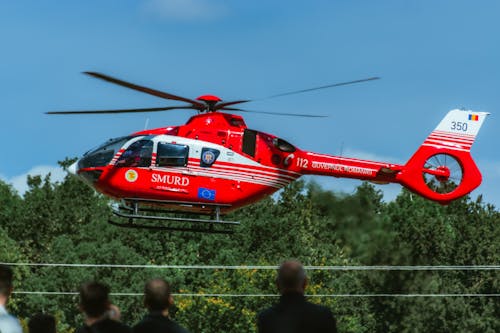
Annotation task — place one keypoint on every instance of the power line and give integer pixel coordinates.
(261, 267)
(73, 293)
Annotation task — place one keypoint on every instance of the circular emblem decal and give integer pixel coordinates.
(208, 157)
(131, 175)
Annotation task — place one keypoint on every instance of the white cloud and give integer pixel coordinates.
(185, 10)
(19, 181)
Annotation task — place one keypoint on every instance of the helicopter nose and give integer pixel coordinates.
(73, 168)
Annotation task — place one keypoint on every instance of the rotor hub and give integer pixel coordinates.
(210, 101)
(445, 173)
(208, 98)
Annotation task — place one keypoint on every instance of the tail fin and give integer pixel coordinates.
(442, 169)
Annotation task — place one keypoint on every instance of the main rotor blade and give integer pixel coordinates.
(219, 106)
(276, 113)
(123, 110)
(146, 90)
(324, 87)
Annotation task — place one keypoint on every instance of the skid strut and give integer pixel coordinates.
(154, 217)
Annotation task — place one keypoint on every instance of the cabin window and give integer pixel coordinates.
(249, 140)
(236, 122)
(283, 145)
(171, 154)
(138, 154)
(103, 154)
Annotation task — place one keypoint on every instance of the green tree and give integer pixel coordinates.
(67, 222)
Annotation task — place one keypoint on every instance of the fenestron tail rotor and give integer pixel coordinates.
(205, 103)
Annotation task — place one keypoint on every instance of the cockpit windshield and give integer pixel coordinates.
(103, 154)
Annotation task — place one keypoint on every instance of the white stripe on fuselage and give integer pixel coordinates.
(229, 165)
(214, 174)
(241, 175)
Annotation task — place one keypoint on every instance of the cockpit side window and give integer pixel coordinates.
(138, 154)
(171, 154)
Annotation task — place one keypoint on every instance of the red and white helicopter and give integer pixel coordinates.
(214, 164)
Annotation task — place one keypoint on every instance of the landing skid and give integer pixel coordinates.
(132, 210)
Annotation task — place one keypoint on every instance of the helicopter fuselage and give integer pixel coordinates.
(213, 158)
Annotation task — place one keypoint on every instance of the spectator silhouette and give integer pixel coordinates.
(293, 314)
(42, 323)
(157, 299)
(100, 315)
(8, 323)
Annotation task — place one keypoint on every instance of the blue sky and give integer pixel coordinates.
(433, 56)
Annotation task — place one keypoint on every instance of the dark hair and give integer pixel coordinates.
(94, 298)
(6, 277)
(42, 323)
(157, 295)
(291, 275)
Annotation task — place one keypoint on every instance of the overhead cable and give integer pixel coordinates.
(73, 293)
(261, 267)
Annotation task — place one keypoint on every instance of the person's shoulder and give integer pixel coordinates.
(178, 328)
(267, 312)
(115, 326)
(9, 323)
(318, 308)
(157, 323)
(323, 315)
(121, 327)
(146, 324)
(266, 315)
(320, 312)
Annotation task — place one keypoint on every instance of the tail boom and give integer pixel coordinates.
(344, 167)
(441, 170)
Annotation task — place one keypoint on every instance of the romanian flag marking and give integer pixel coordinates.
(473, 117)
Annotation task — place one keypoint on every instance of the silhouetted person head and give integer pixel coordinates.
(42, 323)
(94, 299)
(291, 277)
(6, 277)
(157, 297)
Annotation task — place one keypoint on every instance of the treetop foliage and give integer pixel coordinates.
(66, 222)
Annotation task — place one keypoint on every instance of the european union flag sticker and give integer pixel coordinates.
(207, 194)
